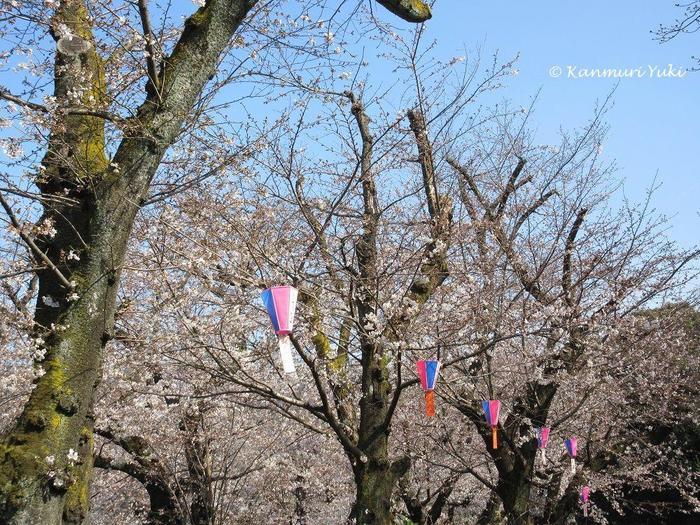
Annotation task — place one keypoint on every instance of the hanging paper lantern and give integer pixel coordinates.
(571, 450)
(428, 371)
(542, 438)
(585, 494)
(492, 408)
(281, 302)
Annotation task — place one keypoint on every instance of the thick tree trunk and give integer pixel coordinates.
(515, 495)
(515, 464)
(58, 416)
(164, 504)
(199, 464)
(375, 481)
(491, 515)
(39, 482)
(375, 476)
(75, 320)
(428, 510)
(374, 486)
(510, 504)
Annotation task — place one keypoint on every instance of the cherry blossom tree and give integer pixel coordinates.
(104, 131)
(582, 277)
(364, 275)
(542, 304)
(177, 171)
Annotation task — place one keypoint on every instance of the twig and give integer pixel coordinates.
(32, 245)
(150, 50)
(70, 110)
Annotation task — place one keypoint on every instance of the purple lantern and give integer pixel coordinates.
(542, 438)
(585, 494)
(491, 409)
(428, 371)
(571, 451)
(281, 302)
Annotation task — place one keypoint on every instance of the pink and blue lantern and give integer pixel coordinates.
(585, 495)
(542, 439)
(428, 370)
(281, 302)
(570, 445)
(492, 409)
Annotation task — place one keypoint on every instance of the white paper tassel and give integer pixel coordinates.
(286, 353)
(585, 509)
(544, 456)
(573, 466)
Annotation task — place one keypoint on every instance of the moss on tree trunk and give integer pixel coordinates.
(375, 481)
(375, 485)
(58, 416)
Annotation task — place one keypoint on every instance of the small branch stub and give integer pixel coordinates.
(73, 45)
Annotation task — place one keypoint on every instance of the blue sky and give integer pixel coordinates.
(654, 122)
